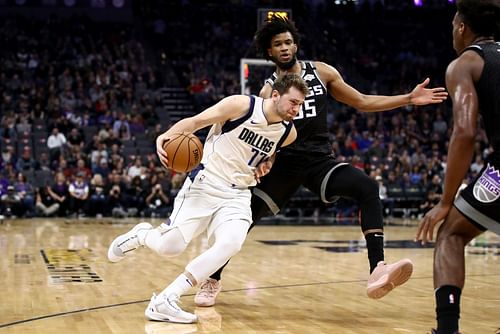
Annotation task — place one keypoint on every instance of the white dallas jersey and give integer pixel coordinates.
(233, 149)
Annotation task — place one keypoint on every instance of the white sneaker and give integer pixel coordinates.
(208, 292)
(386, 277)
(166, 309)
(126, 242)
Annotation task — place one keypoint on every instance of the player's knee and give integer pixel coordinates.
(171, 249)
(366, 190)
(450, 240)
(450, 237)
(230, 247)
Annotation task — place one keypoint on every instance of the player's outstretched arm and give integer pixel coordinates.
(347, 94)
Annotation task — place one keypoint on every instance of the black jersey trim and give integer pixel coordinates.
(476, 48)
(271, 79)
(285, 135)
(231, 125)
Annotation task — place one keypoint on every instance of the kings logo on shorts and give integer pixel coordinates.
(487, 187)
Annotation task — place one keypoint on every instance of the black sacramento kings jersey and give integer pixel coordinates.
(488, 93)
(311, 125)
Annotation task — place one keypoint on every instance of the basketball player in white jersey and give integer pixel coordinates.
(246, 132)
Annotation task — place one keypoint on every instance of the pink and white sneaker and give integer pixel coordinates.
(208, 292)
(386, 277)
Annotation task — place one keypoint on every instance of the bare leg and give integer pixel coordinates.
(449, 268)
(449, 261)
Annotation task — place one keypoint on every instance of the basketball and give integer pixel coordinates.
(184, 151)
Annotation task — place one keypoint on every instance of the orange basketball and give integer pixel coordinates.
(184, 152)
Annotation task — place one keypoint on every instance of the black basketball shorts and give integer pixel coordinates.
(289, 172)
(480, 200)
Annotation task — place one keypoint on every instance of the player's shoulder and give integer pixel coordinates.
(233, 106)
(236, 100)
(466, 62)
(326, 72)
(266, 90)
(322, 66)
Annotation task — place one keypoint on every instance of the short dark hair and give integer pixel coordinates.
(276, 25)
(287, 80)
(480, 15)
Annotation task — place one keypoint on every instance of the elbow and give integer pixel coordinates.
(363, 104)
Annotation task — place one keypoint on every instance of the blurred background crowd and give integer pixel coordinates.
(83, 98)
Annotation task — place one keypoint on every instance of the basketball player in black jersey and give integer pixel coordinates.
(309, 161)
(473, 81)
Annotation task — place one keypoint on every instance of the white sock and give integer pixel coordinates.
(179, 286)
(141, 235)
(149, 238)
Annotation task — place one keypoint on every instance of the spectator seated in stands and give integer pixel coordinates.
(102, 169)
(97, 204)
(78, 195)
(136, 169)
(44, 162)
(96, 156)
(56, 143)
(46, 203)
(8, 156)
(26, 193)
(26, 163)
(135, 194)
(10, 204)
(75, 138)
(59, 191)
(117, 202)
(158, 203)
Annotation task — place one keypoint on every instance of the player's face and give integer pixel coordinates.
(458, 27)
(289, 104)
(283, 50)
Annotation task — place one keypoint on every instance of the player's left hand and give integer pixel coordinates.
(425, 230)
(162, 155)
(421, 95)
(262, 169)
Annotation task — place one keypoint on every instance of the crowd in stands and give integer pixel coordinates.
(80, 103)
(79, 116)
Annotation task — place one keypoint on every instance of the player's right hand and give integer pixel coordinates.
(262, 169)
(436, 215)
(162, 155)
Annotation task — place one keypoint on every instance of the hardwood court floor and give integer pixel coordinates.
(56, 279)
